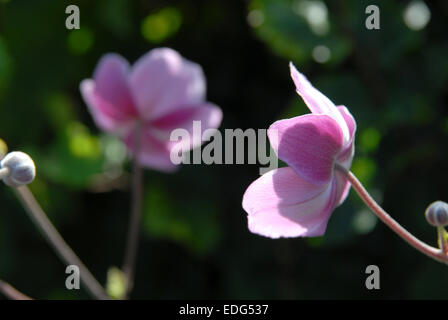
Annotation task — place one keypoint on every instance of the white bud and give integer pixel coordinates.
(21, 169)
(437, 214)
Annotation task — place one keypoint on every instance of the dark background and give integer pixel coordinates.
(195, 242)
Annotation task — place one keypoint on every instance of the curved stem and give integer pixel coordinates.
(135, 218)
(431, 252)
(53, 237)
(12, 293)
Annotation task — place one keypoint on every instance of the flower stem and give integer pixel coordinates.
(431, 252)
(12, 293)
(53, 237)
(135, 218)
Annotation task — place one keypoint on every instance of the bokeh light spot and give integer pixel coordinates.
(114, 149)
(364, 221)
(370, 139)
(364, 169)
(81, 143)
(416, 15)
(315, 13)
(321, 54)
(255, 18)
(116, 283)
(161, 25)
(80, 41)
(3, 148)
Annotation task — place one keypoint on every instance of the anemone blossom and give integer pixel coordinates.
(297, 200)
(161, 92)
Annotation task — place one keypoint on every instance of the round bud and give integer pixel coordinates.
(437, 214)
(21, 166)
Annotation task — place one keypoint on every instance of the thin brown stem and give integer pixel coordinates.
(53, 237)
(431, 252)
(135, 218)
(12, 293)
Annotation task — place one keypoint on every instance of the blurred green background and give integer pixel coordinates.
(195, 242)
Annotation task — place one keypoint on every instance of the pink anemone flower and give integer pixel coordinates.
(297, 200)
(161, 92)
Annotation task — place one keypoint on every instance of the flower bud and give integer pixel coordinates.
(21, 169)
(437, 214)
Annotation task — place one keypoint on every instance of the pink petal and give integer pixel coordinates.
(154, 154)
(349, 120)
(162, 81)
(309, 144)
(317, 102)
(346, 156)
(281, 204)
(111, 81)
(107, 115)
(342, 187)
(156, 145)
(209, 116)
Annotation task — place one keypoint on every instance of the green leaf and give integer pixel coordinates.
(191, 222)
(6, 66)
(74, 158)
(293, 29)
